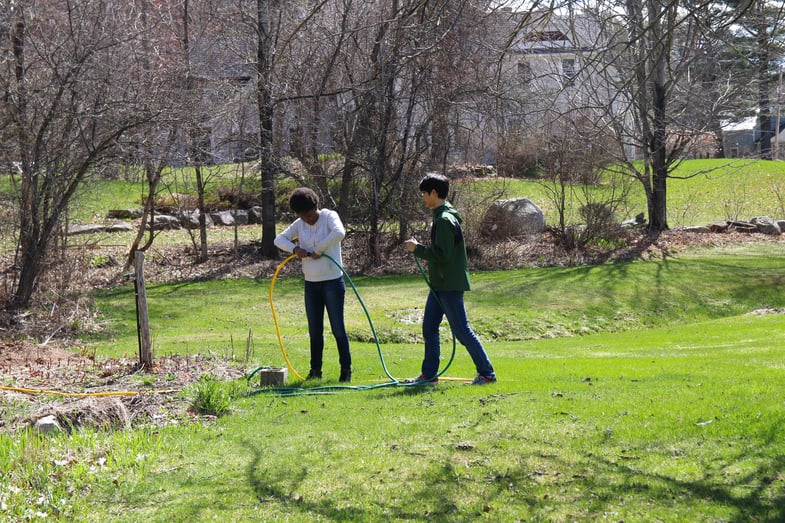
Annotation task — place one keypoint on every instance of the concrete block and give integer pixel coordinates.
(273, 376)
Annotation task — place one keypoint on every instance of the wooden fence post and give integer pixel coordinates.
(142, 322)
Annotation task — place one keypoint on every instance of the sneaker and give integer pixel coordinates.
(482, 380)
(422, 379)
(313, 375)
(346, 376)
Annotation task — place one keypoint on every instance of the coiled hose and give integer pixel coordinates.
(333, 388)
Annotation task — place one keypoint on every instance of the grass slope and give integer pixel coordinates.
(700, 191)
(219, 316)
(667, 407)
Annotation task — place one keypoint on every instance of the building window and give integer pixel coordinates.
(568, 72)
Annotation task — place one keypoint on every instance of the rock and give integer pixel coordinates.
(742, 227)
(232, 217)
(92, 228)
(511, 218)
(718, 227)
(223, 218)
(697, 229)
(638, 221)
(255, 215)
(119, 227)
(240, 216)
(95, 412)
(190, 219)
(165, 222)
(48, 424)
(766, 225)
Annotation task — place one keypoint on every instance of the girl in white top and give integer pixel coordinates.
(318, 232)
(314, 234)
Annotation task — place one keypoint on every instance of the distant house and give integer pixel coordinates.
(553, 86)
(738, 138)
(547, 61)
(742, 139)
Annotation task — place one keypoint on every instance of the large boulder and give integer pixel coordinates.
(241, 216)
(511, 218)
(229, 218)
(225, 218)
(165, 222)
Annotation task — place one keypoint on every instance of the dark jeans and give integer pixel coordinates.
(321, 295)
(459, 323)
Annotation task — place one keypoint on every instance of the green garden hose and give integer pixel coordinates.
(327, 389)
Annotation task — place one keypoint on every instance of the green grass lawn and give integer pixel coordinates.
(676, 423)
(218, 316)
(640, 391)
(700, 192)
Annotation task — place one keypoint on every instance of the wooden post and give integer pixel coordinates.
(142, 322)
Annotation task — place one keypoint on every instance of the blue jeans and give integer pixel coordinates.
(452, 301)
(321, 295)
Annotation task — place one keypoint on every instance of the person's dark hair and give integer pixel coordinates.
(436, 181)
(303, 200)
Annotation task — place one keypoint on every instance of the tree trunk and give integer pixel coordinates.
(658, 220)
(764, 107)
(202, 214)
(265, 109)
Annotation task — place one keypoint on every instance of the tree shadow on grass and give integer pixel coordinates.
(434, 498)
(281, 486)
(754, 505)
(597, 485)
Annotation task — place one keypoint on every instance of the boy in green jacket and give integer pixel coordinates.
(448, 272)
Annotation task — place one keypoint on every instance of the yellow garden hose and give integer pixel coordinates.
(70, 394)
(275, 317)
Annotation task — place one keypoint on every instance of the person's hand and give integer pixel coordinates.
(300, 252)
(410, 244)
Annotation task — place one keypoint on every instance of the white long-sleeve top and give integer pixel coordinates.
(323, 237)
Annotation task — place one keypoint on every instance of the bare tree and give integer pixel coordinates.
(265, 35)
(643, 87)
(71, 93)
(395, 74)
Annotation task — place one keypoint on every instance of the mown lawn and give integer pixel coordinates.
(642, 391)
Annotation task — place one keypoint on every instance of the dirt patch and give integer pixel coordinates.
(39, 380)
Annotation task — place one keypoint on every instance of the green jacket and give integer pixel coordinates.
(446, 255)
